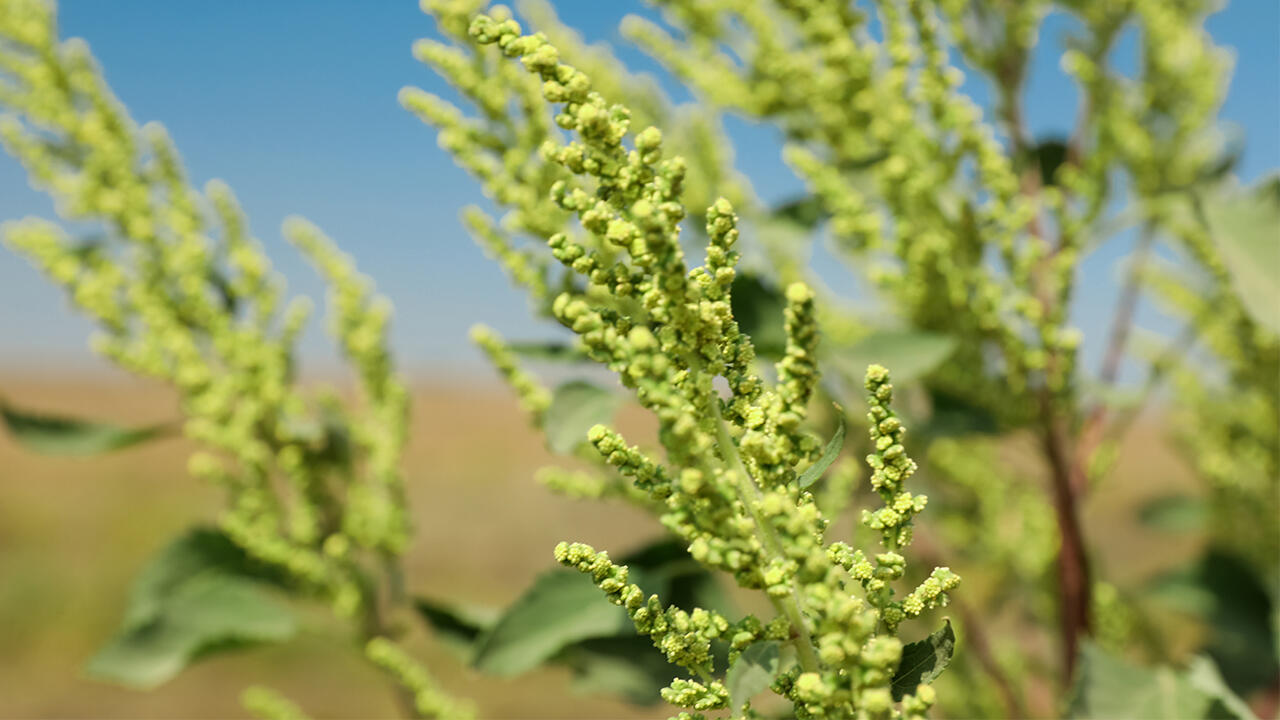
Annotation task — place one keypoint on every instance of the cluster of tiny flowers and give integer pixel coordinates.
(728, 484)
(182, 293)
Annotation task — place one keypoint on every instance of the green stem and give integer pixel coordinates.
(750, 495)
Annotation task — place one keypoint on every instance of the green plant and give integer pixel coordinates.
(972, 234)
(315, 503)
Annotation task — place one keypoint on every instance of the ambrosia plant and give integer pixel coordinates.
(733, 485)
(315, 499)
(970, 232)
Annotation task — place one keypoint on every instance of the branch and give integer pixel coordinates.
(1073, 564)
(1093, 430)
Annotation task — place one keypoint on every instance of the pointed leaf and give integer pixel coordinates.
(805, 211)
(460, 626)
(629, 666)
(952, 415)
(923, 661)
(909, 354)
(549, 351)
(1110, 687)
(1236, 607)
(758, 307)
(1174, 514)
(575, 407)
(752, 673)
(561, 608)
(1246, 228)
(200, 595)
(829, 455)
(52, 435)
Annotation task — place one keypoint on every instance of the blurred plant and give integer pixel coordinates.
(315, 499)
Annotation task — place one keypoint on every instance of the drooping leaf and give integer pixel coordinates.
(200, 595)
(758, 307)
(1174, 514)
(909, 354)
(1109, 687)
(575, 407)
(459, 626)
(829, 455)
(923, 661)
(561, 608)
(752, 673)
(1246, 227)
(52, 435)
(1233, 603)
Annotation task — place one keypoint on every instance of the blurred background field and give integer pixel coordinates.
(73, 532)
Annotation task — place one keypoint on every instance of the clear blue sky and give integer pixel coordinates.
(294, 105)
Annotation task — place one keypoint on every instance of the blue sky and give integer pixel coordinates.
(294, 105)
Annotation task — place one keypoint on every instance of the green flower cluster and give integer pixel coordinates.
(182, 293)
(729, 482)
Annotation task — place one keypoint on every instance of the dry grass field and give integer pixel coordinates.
(74, 531)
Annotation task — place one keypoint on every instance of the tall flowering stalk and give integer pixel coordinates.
(182, 293)
(730, 485)
(969, 227)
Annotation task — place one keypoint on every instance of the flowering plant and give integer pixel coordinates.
(972, 233)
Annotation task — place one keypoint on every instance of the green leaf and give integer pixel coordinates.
(1174, 514)
(200, 595)
(909, 354)
(1203, 675)
(952, 415)
(51, 435)
(665, 568)
(1234, 605)
(758, 307)
(829, 455)
(548, 351)
(1246, 227)
(1109, 687)
(575, 407)
(805, 211)
(751, 673)
(923, 661)
(561, 608)
(1049, 155)
(459, 626)
(629, 666)
(565, 619)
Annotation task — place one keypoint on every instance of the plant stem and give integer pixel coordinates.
(750, 495)
(377, 607)
(1065, 472)
(1073, 563)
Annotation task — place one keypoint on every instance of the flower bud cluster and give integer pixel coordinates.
(727, 484)
(182, 293)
